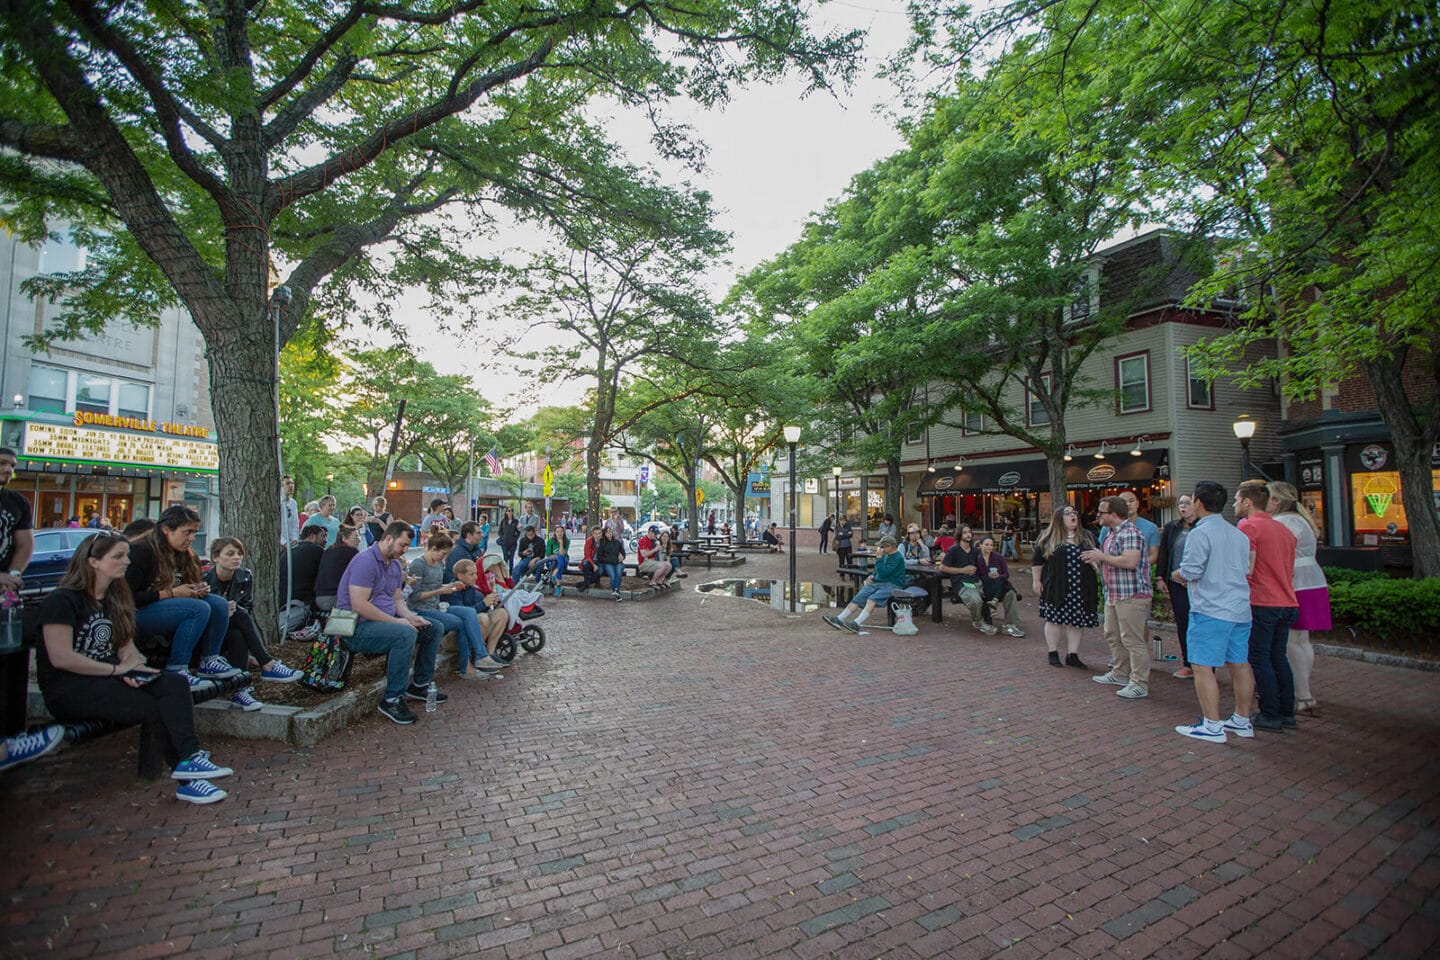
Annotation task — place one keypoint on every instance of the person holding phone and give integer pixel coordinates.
(90, 669)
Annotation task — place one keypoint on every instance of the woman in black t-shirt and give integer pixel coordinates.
(332, 566)
(90, 668)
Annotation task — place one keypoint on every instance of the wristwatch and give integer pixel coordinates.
(18, 574)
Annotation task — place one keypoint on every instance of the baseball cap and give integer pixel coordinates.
(888, 541)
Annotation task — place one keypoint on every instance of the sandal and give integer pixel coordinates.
(1310, 708)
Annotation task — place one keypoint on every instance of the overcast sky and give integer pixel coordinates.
(774, 158)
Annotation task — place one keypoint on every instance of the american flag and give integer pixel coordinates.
(492, 460)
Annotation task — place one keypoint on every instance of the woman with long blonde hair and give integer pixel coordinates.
(1068, 587)
(1312, 593)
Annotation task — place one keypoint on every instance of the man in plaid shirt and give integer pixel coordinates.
(1124, 566)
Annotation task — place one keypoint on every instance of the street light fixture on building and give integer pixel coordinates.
(1135, 450)
(1100, 454)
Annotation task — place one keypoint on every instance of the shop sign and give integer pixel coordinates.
(812, 485)
(1100, 472)
(944, 483)
(45, 441)
(1312, 474)
(1374, 457)
(1010, 479)
(82, 417)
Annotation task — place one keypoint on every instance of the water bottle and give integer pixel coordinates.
(430, 694)
(1159, 647)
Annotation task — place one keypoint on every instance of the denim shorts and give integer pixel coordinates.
(1214, 643)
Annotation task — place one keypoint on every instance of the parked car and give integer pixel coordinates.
(53, 549)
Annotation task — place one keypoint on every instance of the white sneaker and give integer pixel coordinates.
(1131, 692)
(1198, 731)
(1013, 630)
(1241, 728)
(985, 628)
(1112, 679)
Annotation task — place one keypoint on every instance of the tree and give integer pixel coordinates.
(669, 434)
(853, 323)
(623, 299)
(309, 385)
(444, 415)
(1308, 135)
(200, 147)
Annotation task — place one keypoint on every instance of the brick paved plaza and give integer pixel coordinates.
(702, 777)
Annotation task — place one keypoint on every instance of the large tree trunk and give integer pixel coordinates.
(242, 365)
(893, 485)
(1414, 430)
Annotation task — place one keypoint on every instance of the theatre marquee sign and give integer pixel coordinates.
(167, 450)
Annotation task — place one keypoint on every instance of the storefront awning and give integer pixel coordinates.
(986, 478)
(1121, 470)
(1026, 476)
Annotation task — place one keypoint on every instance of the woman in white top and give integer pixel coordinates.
(1312, 593)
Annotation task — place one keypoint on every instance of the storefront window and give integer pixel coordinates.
(92, 393)
(134, 401)
(1378, 506)
(49, 387)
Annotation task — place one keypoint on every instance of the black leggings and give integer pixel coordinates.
(1180, 610)
(243, 641)
(842, 553)
(166, 699)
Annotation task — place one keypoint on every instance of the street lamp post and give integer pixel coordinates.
(1244, 429)
(836, 472)
(792, 437)
(329, 478)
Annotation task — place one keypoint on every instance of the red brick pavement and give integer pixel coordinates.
(702, 777)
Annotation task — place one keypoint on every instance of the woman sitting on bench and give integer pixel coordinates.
(236, 586)
(171, 598)
(90, 668)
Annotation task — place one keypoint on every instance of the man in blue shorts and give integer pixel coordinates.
(1214, 568)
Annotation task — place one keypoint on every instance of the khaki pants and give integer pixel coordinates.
(1125, 632)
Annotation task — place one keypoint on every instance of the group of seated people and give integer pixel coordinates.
(979, 578)
(114, 592)
(658, 558)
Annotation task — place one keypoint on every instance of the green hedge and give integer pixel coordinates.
(1334, 575)
(1384, 606)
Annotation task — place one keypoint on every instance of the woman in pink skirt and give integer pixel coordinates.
(1312, 593)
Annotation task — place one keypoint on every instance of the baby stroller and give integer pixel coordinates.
(524, 632)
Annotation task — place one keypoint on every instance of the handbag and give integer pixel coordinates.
(341, 623)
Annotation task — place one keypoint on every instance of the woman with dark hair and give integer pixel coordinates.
(171, 597)
(1068, 587)
(509, 535)
(356, 517)
(332, 566)
(228, 580)
(90, 669)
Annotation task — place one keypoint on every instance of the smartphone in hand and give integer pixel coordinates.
(141, 676)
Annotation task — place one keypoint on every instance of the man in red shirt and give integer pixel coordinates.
(1272, 605)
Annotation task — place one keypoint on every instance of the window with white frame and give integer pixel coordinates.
(1085, 297)
(1036, 414)
(1132, 382)
(57, 390)
(1199, 392)
(973, 422)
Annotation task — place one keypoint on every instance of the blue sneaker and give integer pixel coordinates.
(277, 672)
(245, 700)
(217, 668)
(31, 746)
(200, 791)
(196, 684)
(198, 767)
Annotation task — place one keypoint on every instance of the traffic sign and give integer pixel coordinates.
(549, 478)
(699, 495)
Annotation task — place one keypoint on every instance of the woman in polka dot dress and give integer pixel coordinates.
(1068, 587)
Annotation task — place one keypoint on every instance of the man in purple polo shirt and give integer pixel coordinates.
(371, 586)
